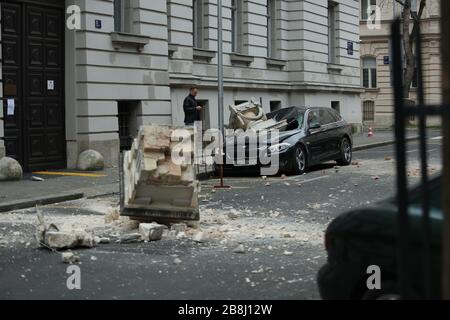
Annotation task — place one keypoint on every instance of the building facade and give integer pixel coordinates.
(376, 68)
(69, 87)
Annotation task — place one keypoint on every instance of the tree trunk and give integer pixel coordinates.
(408, 48)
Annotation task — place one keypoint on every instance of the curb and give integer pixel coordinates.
(28, 203)
(381, 144)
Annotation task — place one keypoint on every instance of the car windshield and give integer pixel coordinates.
(293, 116)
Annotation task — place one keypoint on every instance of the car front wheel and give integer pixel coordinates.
(346, 153)
(298, 163)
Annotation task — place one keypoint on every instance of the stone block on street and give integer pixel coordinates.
(151, 231)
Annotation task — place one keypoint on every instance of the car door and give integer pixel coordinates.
(338, 132)
(316, 137)
(331, 128)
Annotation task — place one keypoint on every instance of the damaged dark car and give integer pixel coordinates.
(306, 136)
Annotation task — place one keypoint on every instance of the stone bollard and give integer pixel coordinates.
(10, 169)
(90, 160)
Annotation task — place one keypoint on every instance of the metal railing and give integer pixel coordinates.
(404, 111)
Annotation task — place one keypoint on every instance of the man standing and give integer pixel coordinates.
(190, 107)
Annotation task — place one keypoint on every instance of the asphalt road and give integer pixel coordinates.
(280, 223)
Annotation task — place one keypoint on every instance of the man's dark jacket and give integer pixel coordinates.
(190, 109)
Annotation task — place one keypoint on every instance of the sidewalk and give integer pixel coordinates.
(57, 188)
(381, 138)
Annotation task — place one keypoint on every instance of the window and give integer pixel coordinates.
(335, 105)
(123, 13)
(325, 117)
(275, 106)
(336, 116)
(332, 41)
(368, 111)
(198, 23)
(271, 29)
(369, 73)
(367, 8)
(169, 21)
(313, 118)
(414, 6)
(236, 26)
(415, 79)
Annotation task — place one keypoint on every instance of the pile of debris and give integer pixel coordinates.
(153, 181)
(50, 236)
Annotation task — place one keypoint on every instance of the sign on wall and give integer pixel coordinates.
(350, 48)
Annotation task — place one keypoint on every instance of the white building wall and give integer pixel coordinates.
(99, 73)
(106, 74)
(302, 40)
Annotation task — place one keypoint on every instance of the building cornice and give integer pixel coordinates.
(182, 81)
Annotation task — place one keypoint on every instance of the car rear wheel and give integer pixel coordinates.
(346, 153)
(298, 163)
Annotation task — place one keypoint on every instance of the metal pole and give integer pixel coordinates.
(220, 86)
(220, 64)
(402, 192)
(426, 229)
(445, 47)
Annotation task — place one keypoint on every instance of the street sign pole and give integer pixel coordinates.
(220, 89)
(445, 47)
(220, 64)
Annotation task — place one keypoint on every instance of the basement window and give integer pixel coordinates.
(127, 111)
(275, 106)
(335, 105)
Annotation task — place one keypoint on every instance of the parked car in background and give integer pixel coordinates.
(313, 135)
(368, 236)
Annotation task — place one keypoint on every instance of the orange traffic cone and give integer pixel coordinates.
(370, 133)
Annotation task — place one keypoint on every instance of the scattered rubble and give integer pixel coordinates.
(104, 240)
(151, 231)
(69, 257)
(199, 237)
(239, 249)
(233, 215)
(52, 237)
(112, 215)
(178, 227)
(130, 238)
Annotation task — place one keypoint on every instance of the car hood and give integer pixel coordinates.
(381, 221)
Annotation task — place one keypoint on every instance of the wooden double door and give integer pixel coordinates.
(33, 83)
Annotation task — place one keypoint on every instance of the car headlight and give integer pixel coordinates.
(277, 148)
